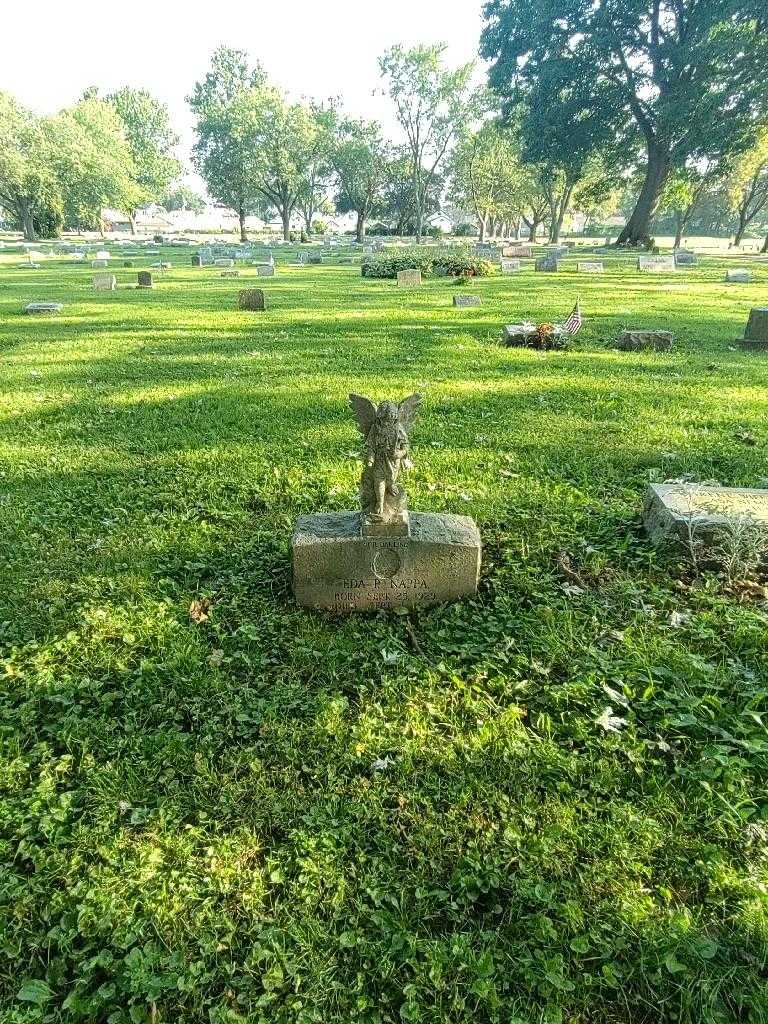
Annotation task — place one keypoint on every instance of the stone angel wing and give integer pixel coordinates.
(365, 413)
(408, 409)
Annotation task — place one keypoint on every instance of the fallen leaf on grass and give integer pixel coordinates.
(610, 722)
(216, 657)
(748, 590)
(615, 695)
(198, 610)
(678, 619)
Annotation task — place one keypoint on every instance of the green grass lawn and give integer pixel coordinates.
(277, 816)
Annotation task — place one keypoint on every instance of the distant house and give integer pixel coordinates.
(115, 220)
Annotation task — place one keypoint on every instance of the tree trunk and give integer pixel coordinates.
(360, 233)
(679, 226)
(241, 218)
(740, 230)
(27, 225)
(532, 232)
(132, 222)
(286, 214)
(481, 223)
(637, 230)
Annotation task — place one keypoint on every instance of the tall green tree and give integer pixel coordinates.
(93, 162)
(747, 184)
(181, 197)
(359, 160)
(222, 103)
(663, 72)
(684, 192)
(28, 182)
(433, 105)
(254, 149)
(319, 170)
(151, 140)
(487, 177)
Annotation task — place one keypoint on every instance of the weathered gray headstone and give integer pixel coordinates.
(314, 258)
(547, 264)
(686, 511)
(517, 252)
(145, 279)
(251, 298)
(105, 282)
(230, 273)
(265, 270)
(509, 266)
(224, 263)
(466, 300)
(685, 258)
(408, 278)
(514, 335)
(383, 556)
(43, 307)
(655, 264)
(756, 334)
(738, 275)
(636, 341)
(590, 267)
(95, 264)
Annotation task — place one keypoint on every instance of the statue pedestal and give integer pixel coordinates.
(336, 568)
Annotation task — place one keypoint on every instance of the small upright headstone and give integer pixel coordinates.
(224, 262)
(517, 252)
(265, 270)
(655, 264)
(104, 282)
(756, 334)
(408, 278)
(251, 298)
(314, 258)
(230, 273)
(547, 263)
(466, 300)
(590, 267)
(738, 275)
(145, 279)
(685, 258)
(509, 266)
(95, 264)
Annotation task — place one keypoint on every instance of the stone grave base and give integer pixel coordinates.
(337, 569)
(672, 511)
(636, 341)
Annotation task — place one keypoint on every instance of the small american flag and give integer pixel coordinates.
(573, 324)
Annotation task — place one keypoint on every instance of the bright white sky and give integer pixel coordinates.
(317, 48)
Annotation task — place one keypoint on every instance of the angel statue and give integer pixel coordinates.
(385, 452)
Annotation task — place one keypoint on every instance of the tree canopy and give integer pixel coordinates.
(662, 73)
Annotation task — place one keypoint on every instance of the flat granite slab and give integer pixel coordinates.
(337, 569)
(672, 510)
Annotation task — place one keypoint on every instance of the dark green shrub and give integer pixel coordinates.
(453, 262)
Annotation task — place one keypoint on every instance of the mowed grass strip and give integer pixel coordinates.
(254, 813)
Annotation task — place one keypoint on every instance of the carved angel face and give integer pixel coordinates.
(387, 412)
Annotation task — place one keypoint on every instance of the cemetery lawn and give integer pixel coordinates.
(218, 807)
